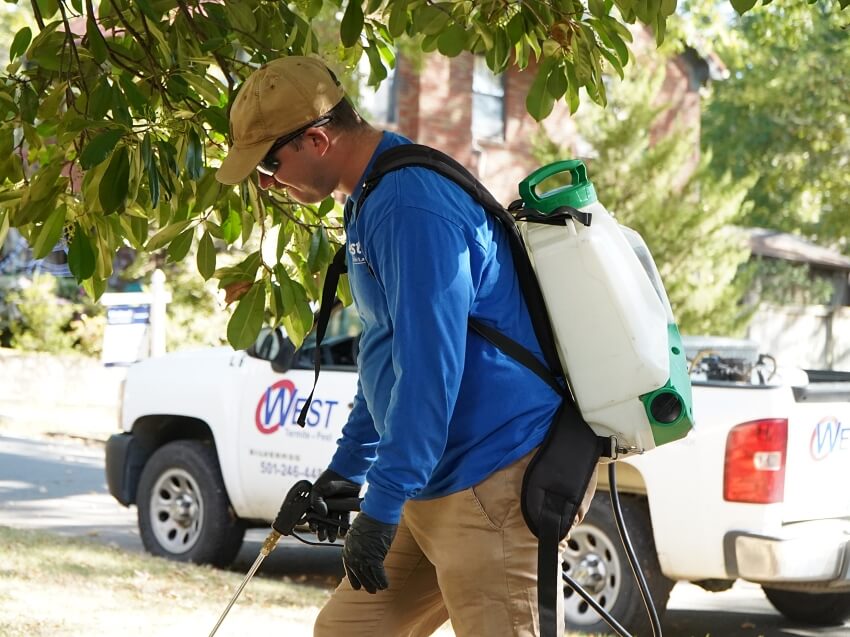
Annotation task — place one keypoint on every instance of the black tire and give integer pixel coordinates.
(815, 609)
(183, 510)
(597, 560)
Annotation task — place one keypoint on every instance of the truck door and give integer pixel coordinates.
(274, 451)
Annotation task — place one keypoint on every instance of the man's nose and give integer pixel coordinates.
(265, 181)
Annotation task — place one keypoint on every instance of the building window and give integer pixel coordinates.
(378, 103)
(488, 102)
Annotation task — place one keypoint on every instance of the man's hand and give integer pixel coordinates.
(365, 549)
(331, 485)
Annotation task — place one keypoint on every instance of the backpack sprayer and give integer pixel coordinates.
(614, 331)
(294, 511)
(614, 328)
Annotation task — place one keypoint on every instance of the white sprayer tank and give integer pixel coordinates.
(609, 318)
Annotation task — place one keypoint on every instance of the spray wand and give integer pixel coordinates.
(294, 510)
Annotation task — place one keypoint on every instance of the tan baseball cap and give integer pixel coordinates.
(278, 98)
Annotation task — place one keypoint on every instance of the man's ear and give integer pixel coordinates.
(318, 140)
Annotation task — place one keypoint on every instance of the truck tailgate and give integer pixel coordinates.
(818, 453)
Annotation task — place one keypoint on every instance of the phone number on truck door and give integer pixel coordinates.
(289, 469)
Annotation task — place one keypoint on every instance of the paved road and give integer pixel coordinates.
(60, 486)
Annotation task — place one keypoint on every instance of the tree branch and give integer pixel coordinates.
(37, 14)
(69, 94)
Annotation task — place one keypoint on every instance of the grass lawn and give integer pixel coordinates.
(51, 586)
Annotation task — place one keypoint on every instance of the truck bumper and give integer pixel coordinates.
(816, 552)
(124, 461)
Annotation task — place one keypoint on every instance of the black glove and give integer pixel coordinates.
(365, 549)
(331, 485)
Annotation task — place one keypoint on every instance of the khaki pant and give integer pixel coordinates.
(468, 557)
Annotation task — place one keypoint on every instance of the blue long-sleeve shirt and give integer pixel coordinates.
(438, 408)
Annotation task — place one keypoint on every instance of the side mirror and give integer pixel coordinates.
(273, 346)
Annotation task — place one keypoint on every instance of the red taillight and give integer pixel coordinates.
(755, 462)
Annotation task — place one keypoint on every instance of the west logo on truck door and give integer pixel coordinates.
(280, 405)
(829, 435)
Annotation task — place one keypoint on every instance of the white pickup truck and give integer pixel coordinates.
(757, 491)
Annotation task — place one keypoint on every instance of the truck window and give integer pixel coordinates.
(339, 347)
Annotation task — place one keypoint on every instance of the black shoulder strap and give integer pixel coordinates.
(336, 269)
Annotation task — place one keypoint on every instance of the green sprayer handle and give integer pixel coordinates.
(578, 193)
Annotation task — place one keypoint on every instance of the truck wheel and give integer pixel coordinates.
(816, 609)
(184, 513)
(596, 559)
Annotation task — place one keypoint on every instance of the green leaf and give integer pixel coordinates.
(97, 45)
(138, 230)
(328, 204)
(50, 233)
(597, 7)
(287, 290)
(208, 192)
(557, 83)
(613, 61)
(299, 321)
(241, 16)
(164, 236)
(20, 43)
(120, 106)
(247, 319)
(515, 29)
(48, 48)
(352, 23)
(34, 210)
(343, 290)
(452, 41)
(148, 10)
(312, 9)
(94, 287)
(194, 156)
(378, 72)
(742, 6)
(112, 192)
(206, 256)
(204, 87)
(319, 250)
(660, 29)
(179, 248)
(29, 103)
(100, 99)
(247, 225)
(283, 237)
(4, 226)
(246, 270)
(430, 20)
(134, 96)
(231, 227)
(99, 148)
(81, 255)
(217, 118)
(668, 7)
(51, 104)
(398, 19)
(539, 101)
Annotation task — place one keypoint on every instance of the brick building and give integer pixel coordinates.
(459, 107)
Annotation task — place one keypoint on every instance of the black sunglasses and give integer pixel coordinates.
(270, 164)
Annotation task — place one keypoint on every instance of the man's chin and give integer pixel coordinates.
(303, 197)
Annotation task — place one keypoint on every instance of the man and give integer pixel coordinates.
(444, 424)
